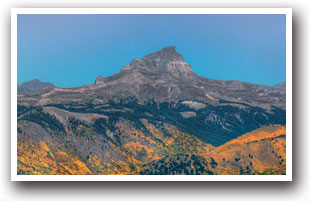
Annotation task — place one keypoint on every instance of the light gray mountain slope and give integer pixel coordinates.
(163, 76)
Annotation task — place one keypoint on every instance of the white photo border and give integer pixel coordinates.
(286, 11)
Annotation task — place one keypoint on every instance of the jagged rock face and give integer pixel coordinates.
(165, 61)
(34, 86)
(99, 80)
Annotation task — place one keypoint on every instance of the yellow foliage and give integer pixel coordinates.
(46, 158)
(38, 159)
(262, 149)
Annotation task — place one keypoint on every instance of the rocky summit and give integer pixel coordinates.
(99, 80)
(155, 116)
(166, 61)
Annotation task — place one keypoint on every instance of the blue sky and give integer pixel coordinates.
(72, 50)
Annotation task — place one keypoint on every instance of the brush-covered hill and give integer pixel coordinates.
(262, 151)
(157, 153)
(81, 149)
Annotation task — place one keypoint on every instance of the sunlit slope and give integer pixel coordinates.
(259, 152)
(38, 159)
(171, 152)
(126, 137)
(62, 142)
(80, 150)
(253, 153)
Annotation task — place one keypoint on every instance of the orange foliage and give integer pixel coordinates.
(38, 159)
(263, 150)
(259, 150)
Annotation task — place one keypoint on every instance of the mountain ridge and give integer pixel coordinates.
(167, 79)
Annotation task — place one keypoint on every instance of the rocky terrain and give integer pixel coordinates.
(156, 116)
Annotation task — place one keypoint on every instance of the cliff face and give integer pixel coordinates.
(99, 80)
(166, 61)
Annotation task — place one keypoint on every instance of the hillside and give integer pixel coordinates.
(259, 152)
(253, 153)
(80, 149)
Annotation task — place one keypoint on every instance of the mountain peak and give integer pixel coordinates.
(34, 85)
(169, 48)
(168, 54)
(99, 80)
(167, 60)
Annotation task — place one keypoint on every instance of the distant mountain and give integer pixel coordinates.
(281, 84)
(34, 85)
(155, 110)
